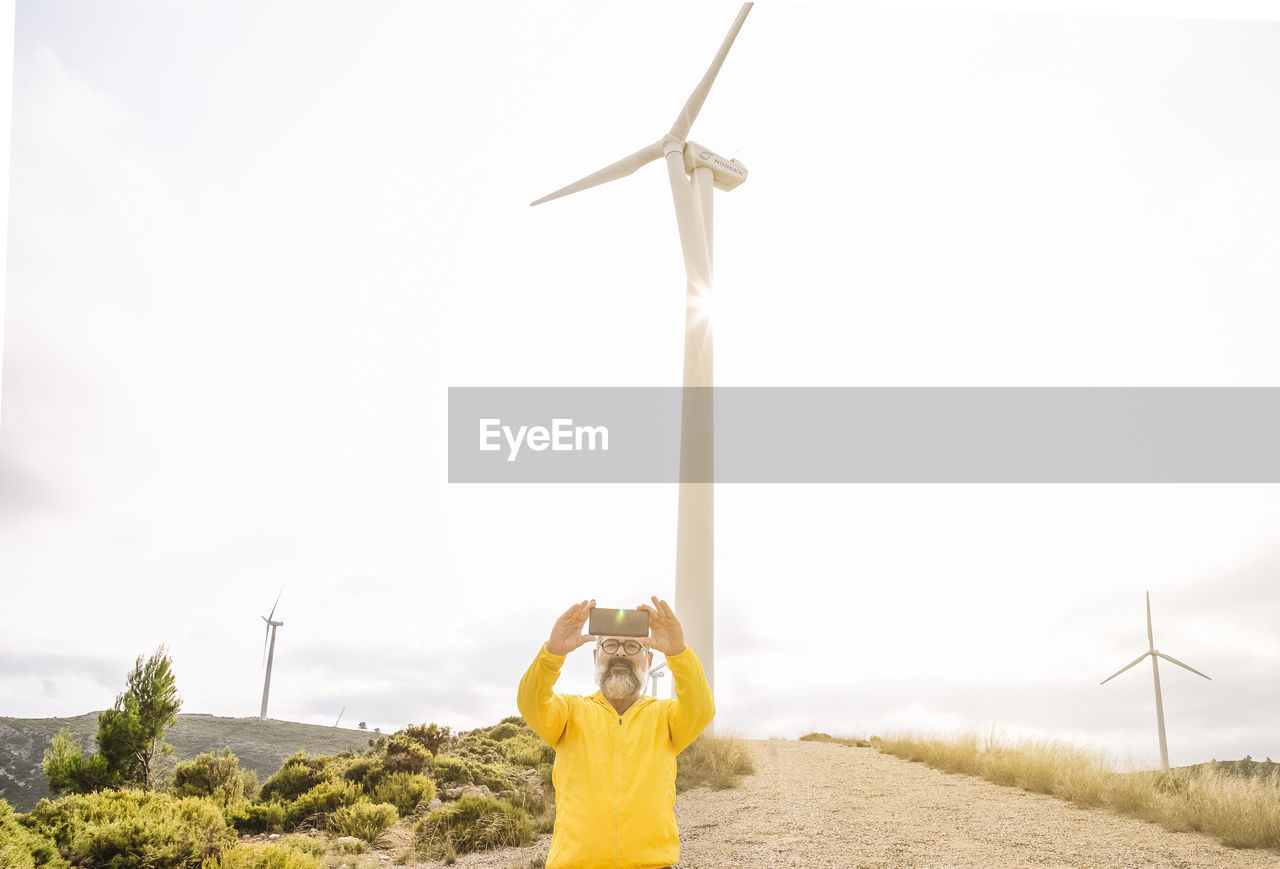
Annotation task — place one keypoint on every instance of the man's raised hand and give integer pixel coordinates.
(665, 633)
(567, 634)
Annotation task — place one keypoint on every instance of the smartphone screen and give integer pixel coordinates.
(618, 623)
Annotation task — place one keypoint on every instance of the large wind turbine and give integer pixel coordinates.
(1155, 669)
(269, 656)
(695, 554)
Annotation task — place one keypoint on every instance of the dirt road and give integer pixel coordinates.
(817, 805)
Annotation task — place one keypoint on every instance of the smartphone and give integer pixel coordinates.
(618, 623)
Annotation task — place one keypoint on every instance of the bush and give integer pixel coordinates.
(251, 856)
(321, 801)
(503, 731)
(405, 791)
(405, 754)
(132, 829)
(528, 751)
(364, 820)
(297, 775)
(367, 772)
(448, 769)
(21, 848)
(480, 748)
(217, 776)
(827, 737)
(268, 817)
(472, 824)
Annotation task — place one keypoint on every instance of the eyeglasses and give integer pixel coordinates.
(631, 647)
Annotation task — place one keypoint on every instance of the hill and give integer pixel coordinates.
(260, 745)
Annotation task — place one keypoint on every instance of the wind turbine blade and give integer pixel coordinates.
(684, 122)
(1133, 663)
(277, 603)
(1173, 660)
(612, 172)
(1151, 641)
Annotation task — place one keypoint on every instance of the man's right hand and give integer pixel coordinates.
(566, 635)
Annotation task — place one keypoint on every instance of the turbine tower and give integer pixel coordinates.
(1155, 670)
(269, 656)
(695, 518)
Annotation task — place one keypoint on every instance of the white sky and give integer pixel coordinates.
(252, 245)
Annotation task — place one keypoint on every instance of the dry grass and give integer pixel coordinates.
(719, 762)
(851, 741)
(1242, 812)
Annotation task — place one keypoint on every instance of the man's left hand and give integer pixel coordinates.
(665, 633)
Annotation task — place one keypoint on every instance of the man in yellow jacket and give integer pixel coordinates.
(615, 770)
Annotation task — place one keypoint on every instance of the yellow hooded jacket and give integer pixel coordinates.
(615, 775)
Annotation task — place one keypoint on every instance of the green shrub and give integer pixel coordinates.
(827, 737)
(297, 775)
(364, 820)
(499, 776)
(129, 828)
(321, 801)
(404, 754)
(21, 848)
(405, 791)
(254, 856)
(503, 731)
(528, 750)
(479, 747)
(217, 776)
(366, 771)
(449, 769)
(472, 824)
(260, 817)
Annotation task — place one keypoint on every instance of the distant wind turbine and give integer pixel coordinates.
(1155, 669)
(269, 656)
(695, 511)
(344, 709)
(654, 675)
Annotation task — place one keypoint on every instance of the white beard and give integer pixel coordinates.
(620, 686)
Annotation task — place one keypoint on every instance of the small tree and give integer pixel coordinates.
(130, 735)
(431, 736)
(70, 772)
(363, 726)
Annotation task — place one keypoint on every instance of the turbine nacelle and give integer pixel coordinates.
(726, 174)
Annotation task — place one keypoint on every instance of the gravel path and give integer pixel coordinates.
(817, 805)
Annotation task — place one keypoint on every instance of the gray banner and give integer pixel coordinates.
(866, 435)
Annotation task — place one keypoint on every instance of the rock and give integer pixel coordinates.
(274, 836)
(347, 840)
(384, 856)
(472, 791)
(433, 805)
(452, 793)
